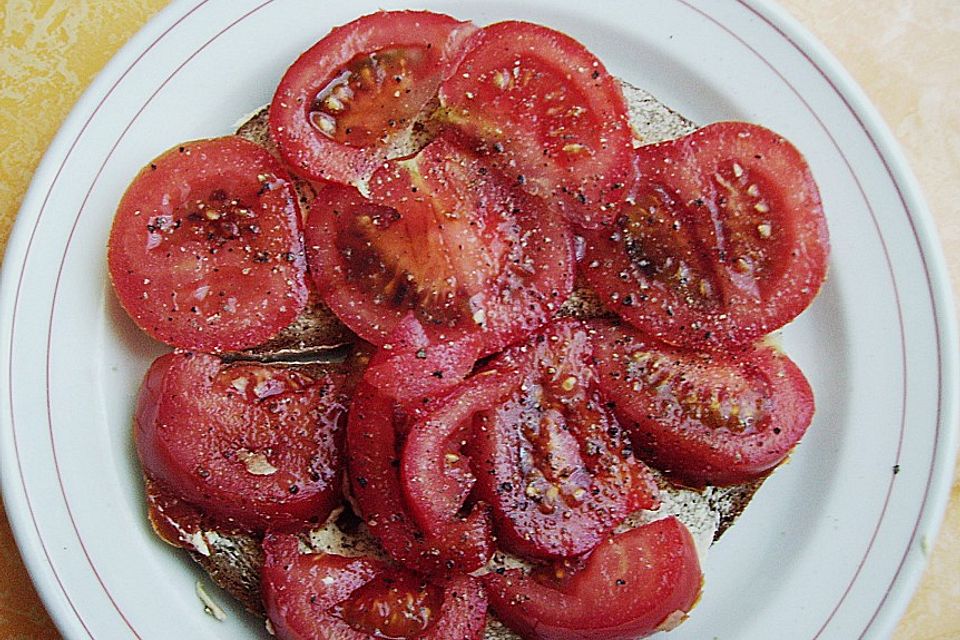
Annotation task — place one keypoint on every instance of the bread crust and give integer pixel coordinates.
(234, 560)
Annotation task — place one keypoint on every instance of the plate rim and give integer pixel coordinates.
(903, 586)
(888, 150)
(32, 550)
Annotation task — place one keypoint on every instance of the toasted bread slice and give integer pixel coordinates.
(233, 560)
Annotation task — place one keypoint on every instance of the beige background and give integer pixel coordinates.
(905, 54)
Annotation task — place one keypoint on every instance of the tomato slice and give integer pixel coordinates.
(252, 445)
(375, 432)
(410, 366)
(205, 251)
(726, 241)
(444, 237)
(434, 467)
(551, 458)
(345, 100)
(549, 115)
(635, 583)
(701, 417)
(328, 597)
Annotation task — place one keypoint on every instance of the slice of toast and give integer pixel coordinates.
(233, 560)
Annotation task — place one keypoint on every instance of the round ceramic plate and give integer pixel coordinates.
(834, 542)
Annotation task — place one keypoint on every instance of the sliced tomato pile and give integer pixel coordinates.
(314, 596)
(725, 241)
(457, 181)
(206, 250)
(254, 446)
(703, 417)
(444, 237)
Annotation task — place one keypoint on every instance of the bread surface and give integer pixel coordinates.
(234, 560)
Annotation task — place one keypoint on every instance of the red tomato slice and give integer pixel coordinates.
(445, 238)
(374, 440)
(636, 583)
(551, 458)
(252, 445)
(341, 104)
(434, 466)
(705, 418)
(205, 252)
(726, 242)
(410, 367)
(327, 597)
(549, 115)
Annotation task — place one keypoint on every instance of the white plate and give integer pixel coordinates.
(831, 547)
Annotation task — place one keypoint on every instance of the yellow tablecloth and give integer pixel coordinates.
(905, 53)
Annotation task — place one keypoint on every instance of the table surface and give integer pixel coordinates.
(904, 53)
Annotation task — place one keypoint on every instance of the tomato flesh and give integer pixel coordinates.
(392, 606)
(549, 115)
(342, 104)
(324, 596)
(701, 417)
(628, 587)
(375, 432)
(443, 237)
(361, 107)
(205, 251)
(253, 446)
(551, 458)
(725, 241)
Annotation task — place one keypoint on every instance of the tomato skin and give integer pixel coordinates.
(550, 457)
(556, 123)
(700, 417)
(436, 40)
(627, 588)
(194, 231)
(253, 446)
(442, 236)
(726, 241)
(375, 430)
(328, 597)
